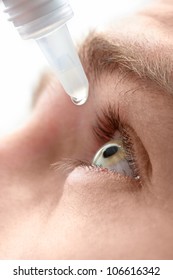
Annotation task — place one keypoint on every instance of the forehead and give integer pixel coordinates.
(138, 50)
(140, 47)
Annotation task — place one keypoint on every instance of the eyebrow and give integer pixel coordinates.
(148, 62)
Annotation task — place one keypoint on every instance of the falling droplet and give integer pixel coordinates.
(77, 101)
(80, 97)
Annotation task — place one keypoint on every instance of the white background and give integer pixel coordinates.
(21, 62)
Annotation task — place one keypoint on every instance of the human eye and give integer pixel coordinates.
(112, 156)
(117, 154)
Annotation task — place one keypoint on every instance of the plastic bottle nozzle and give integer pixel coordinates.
(61, 54)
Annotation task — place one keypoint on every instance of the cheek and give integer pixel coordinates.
(93, 216)
(99, 219)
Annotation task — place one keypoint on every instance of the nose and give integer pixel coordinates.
(56, 129)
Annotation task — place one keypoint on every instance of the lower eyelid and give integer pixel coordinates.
(67, 166)
(93, 191)
(113, 179)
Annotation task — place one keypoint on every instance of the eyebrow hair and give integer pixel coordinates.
(149, 62)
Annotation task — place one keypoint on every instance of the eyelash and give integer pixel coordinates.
(107, 124)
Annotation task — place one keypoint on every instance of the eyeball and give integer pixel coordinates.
(113, 157)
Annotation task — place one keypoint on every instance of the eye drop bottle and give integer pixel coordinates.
(45, 21)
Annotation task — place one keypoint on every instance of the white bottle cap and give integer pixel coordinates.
(35, 18)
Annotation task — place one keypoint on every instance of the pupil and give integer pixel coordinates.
(110, 151)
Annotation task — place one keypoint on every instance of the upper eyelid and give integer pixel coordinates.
(107, 122)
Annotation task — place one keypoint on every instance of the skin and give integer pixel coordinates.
(91, 214)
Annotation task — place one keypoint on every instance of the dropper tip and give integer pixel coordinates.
(77, 101)
(80, 97)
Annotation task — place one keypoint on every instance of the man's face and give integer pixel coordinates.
(53, 208)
